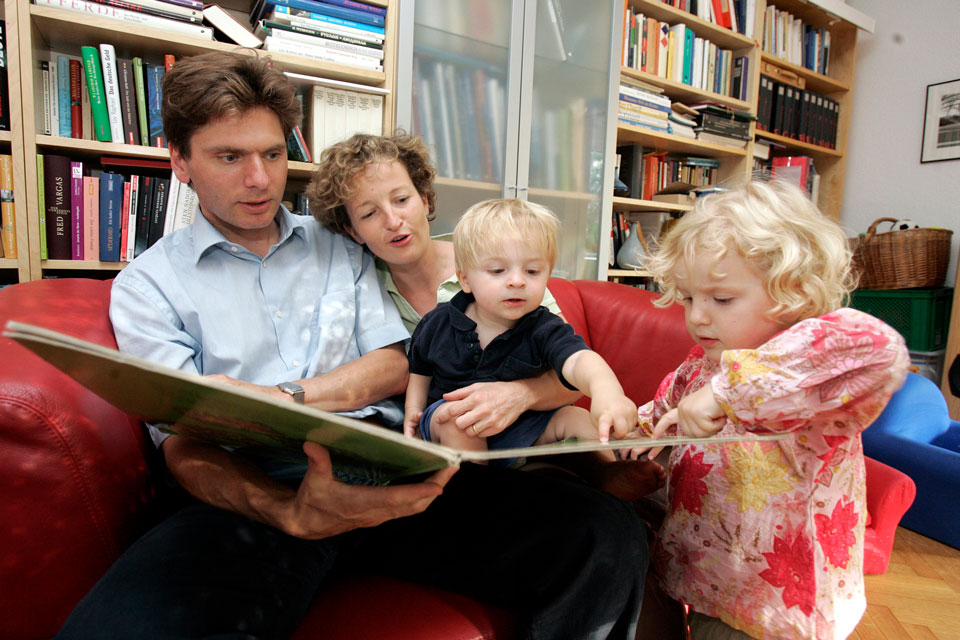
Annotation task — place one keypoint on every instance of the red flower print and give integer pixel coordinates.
(850, 366)
(685, 480)
(791, 567)
(835, 533)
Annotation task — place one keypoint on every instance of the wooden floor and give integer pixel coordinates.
(918, 598)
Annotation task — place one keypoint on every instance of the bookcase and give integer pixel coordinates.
(736, 165)
(34, 31)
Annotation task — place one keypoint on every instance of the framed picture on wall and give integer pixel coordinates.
(941, 122)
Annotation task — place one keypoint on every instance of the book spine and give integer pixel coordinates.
(56, 175)
(143, 6)
(141, 91)
(154, 78)
(91, 218)
(173, 192)
(346, 25)
(158, 210)
(98, 104)
(128, 101)
(76, 210)
(63, 96)
(76, 99)
(42, 208)
(144, 209)
(108, 62)
(325, 54)
(190, 4)
(130, 238)
(130, 17)
(8, 219)
(54, 92)
(359, 6)
(124, 222)
(187, 205)
(111, 202)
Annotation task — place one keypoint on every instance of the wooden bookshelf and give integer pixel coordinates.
(736, 165)
(35, 31)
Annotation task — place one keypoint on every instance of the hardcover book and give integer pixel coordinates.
(8, 221)
(98, 100)
(108, 65)
(213, 411)
(4, 86)
(128, 101)
(56, 196)
(111, 205)
(76, 210)
(91, 218)
(153, 76)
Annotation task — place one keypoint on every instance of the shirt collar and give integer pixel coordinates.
(206, 237)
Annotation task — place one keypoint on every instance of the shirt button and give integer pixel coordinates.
(234, 249)
(264, 264)
(296, 363)
(279, 314)
(476, 357)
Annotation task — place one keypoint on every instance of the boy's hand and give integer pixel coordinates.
(613, 414)
(411, 423)
(698, 415)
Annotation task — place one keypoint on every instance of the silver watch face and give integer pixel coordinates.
(293, 389)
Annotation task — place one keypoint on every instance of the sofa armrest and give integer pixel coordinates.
(889, 494)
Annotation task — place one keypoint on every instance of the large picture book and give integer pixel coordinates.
(217, 412)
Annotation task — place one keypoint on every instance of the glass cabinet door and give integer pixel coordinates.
(513, 98)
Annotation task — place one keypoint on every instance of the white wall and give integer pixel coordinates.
(915, 44)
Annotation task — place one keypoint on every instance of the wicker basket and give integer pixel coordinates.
(901, 259)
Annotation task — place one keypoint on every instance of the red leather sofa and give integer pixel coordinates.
(77, 488)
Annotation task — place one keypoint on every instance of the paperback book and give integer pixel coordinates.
(217, 412)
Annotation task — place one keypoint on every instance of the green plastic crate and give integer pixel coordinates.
(922, 316)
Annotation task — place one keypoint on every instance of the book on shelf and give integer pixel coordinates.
(42, 208)
(98, 100)
(91, 218)
(130, 17)
(320, 51)
(307, 18)
(53, 91)
(723, 140)
(75, 66)
(345, 16)
(797, 170)
(159, 8)
(64, 114)
(226, 28)
(8, 218)
(297, 147)
(76, 209)
(334, 113)
(173, 193)
(108, 66)
(153, 78)
(131, 198)
(146, 192)
(128, 101)
(111, 205)
(207, 409)
(339, 42)
(631, 169)
(140, 90)
(158, 210)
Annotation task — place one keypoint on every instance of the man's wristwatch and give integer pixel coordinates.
(292, 389)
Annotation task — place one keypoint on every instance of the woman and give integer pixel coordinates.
(379, 191)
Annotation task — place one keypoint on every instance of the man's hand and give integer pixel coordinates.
(323, 506)
(698, 415)
(613, 413)
(486, 408)
(270, 390)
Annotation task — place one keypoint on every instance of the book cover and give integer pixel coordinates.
(111, 220)
(199, 407)
(128, 101)
(158, 210)
(296, 33)
(76, 98)
(8, 219)
(64, 112)
(145, 193)
(302, 18)
(91, 218)
(124, 221)
(108, 65)
(344, 26)
(131, 211)
(140, 88)
(126, 16)
(76, 210)
(321, 52)
(226, 28)
(42, 208)
(98, 99)
(153, 75)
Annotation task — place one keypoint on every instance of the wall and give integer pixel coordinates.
(910, 48)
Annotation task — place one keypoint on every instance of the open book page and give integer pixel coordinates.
(217, 412)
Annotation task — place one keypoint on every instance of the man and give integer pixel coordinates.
(261, 298)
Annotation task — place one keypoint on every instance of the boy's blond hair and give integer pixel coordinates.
(801, 254)
(483, 228)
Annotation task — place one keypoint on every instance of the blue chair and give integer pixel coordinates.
(916, 435)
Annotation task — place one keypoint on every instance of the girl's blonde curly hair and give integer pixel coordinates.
(802, 255)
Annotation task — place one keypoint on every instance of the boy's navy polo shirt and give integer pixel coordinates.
(445, 346)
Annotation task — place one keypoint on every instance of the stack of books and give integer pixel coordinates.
(641, 107)
(720, 125)
(798, 113)
(340, 31)
(184, 17)
(788, 37)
